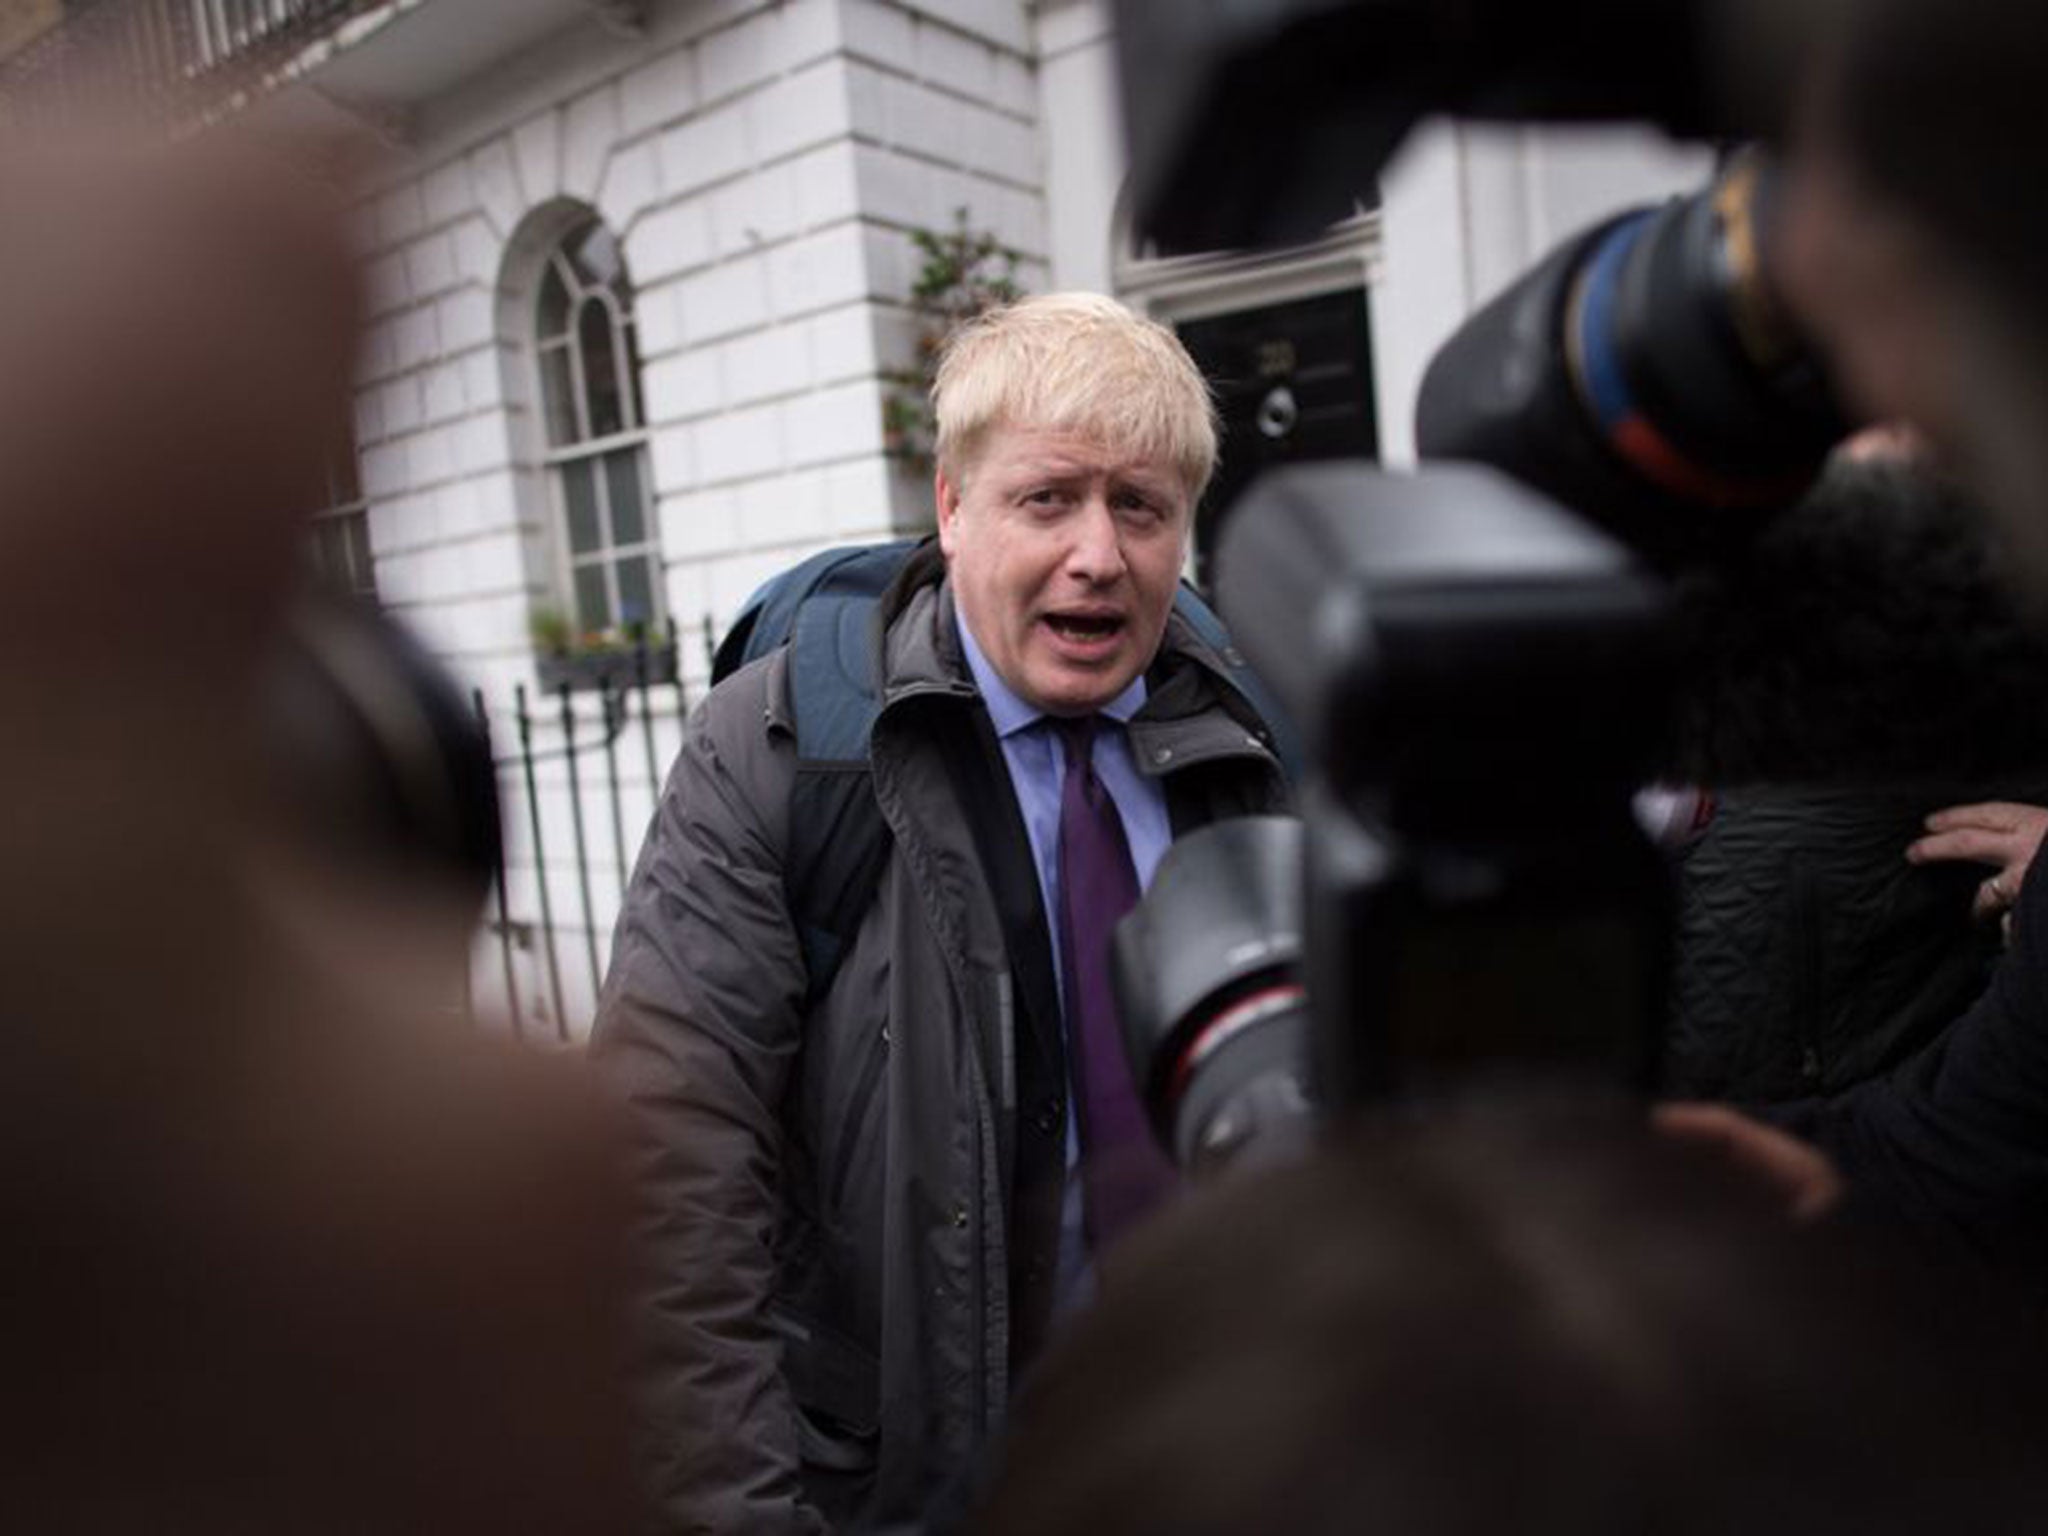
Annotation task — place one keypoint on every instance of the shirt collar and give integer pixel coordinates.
(1008, 712)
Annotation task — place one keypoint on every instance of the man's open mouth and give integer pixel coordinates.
(1085, 626)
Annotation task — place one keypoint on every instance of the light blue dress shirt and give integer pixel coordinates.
(1038, 767)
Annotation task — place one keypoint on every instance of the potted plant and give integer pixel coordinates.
(618, 658)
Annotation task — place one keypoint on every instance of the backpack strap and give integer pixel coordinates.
(829, 611)
(838, 842)
(834, 653)
(769, 617)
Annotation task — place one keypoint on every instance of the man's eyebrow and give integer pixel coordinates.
(1061, 471)
(1154, 482)
(1040, 470)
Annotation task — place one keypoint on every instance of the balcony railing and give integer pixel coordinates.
(169, 59)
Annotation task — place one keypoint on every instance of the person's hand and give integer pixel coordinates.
(1798, 1174)
(1996, 832)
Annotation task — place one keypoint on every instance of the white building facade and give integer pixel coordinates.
(639, 279)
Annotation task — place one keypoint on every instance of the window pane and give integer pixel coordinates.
(600, 368)
(596, 257)
(636, 590)
(631, 335)
(342, 484)
(362, 570)
(622, 476)
(579, 498)
(330, 553)
(558, 389)
(593, 607)
(553, 317)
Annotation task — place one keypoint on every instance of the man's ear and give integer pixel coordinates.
(948, 502)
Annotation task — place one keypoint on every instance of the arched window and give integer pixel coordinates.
(596, 431)
(341, 527)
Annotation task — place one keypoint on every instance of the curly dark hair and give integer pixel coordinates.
(1868, 635)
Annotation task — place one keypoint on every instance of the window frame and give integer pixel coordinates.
(348, 507)
(557, 458)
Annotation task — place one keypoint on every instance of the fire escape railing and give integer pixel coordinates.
(165, 59)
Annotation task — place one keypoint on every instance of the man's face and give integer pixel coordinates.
(1064, 556)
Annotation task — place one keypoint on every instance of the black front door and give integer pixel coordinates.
(1293, 382)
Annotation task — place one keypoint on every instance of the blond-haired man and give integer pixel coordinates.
(863, 1208)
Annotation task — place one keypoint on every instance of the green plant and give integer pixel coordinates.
(555, 635)
(552, 633)
(965, 271)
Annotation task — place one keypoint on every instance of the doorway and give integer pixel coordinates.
(1293, 383)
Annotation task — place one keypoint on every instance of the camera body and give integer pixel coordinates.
(1480, 661)
(1485, 695)
(1481, 681)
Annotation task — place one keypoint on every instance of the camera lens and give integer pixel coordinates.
(1209, 987)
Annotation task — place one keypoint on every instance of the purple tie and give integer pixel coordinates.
(1123, 1172)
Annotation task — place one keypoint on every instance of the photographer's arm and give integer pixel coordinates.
(1957, 1138)
(698, 1027)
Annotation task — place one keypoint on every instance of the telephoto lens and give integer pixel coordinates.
(1209, 987)
(1646, 375)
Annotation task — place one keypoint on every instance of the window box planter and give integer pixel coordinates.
(615, 667)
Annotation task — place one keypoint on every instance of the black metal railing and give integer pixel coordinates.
(168, 60)
(593, 747)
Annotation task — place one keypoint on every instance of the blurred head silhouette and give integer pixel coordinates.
(290, 1247)
(1514, 1322)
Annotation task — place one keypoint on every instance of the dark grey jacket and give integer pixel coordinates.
(1810, 954)
(826, 1192)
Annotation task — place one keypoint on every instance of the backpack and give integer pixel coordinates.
(827, 610)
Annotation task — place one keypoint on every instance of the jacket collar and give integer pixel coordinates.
(921, 646)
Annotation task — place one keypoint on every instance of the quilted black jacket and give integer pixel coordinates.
(1811, 955)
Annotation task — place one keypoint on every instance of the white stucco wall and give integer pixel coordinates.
(1084, 135)
(763, 164)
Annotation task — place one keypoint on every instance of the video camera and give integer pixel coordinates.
(1479, 658)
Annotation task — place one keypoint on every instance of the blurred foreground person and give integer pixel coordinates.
(1916, 229)
(1859, 665)
(1510, 1323)
(290, 1248)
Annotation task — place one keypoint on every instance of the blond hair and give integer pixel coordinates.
(1080, 363)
